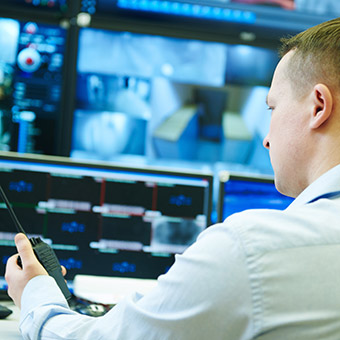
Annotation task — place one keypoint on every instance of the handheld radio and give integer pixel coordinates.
(42, 251)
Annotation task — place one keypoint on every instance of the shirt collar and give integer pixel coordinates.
(325, 184)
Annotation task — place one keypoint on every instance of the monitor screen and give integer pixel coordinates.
(238, 192)
(241, 11)
(201, 10)
(47, 6)
(103, 219)
(164, 97)
(290, 16)
(195, 9)
(31, 78)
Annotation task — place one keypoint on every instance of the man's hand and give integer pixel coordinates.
(17, 277)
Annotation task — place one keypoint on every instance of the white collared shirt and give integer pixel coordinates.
(262, 274)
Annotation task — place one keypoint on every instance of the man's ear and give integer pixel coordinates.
(322, 105)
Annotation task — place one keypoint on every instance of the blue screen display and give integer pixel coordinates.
(241, 195)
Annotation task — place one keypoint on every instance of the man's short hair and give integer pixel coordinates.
(316, 56)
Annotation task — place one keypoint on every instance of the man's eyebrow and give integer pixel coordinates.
(267, 100)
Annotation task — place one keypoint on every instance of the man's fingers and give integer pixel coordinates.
(12, 260)
(24, 249)
(63, 270)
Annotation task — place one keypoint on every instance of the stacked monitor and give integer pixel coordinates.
(238, 192)
(103, 219)
(159, 79)
(171, 79)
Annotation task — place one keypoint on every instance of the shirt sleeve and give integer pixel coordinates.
(205, 295)
(42, 300)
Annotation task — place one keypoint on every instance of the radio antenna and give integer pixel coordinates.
(20, 229)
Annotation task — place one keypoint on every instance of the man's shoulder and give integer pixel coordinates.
(266, 230)
(259, 230)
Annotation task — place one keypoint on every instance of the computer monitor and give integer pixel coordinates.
(238, 192)
(41, 6)
(31, 85)
(157, 96)
(100, 218)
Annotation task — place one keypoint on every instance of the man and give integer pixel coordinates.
(262, 274)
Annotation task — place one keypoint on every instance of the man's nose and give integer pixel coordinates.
(266, 142)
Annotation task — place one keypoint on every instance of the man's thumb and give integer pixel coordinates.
(24, 248)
